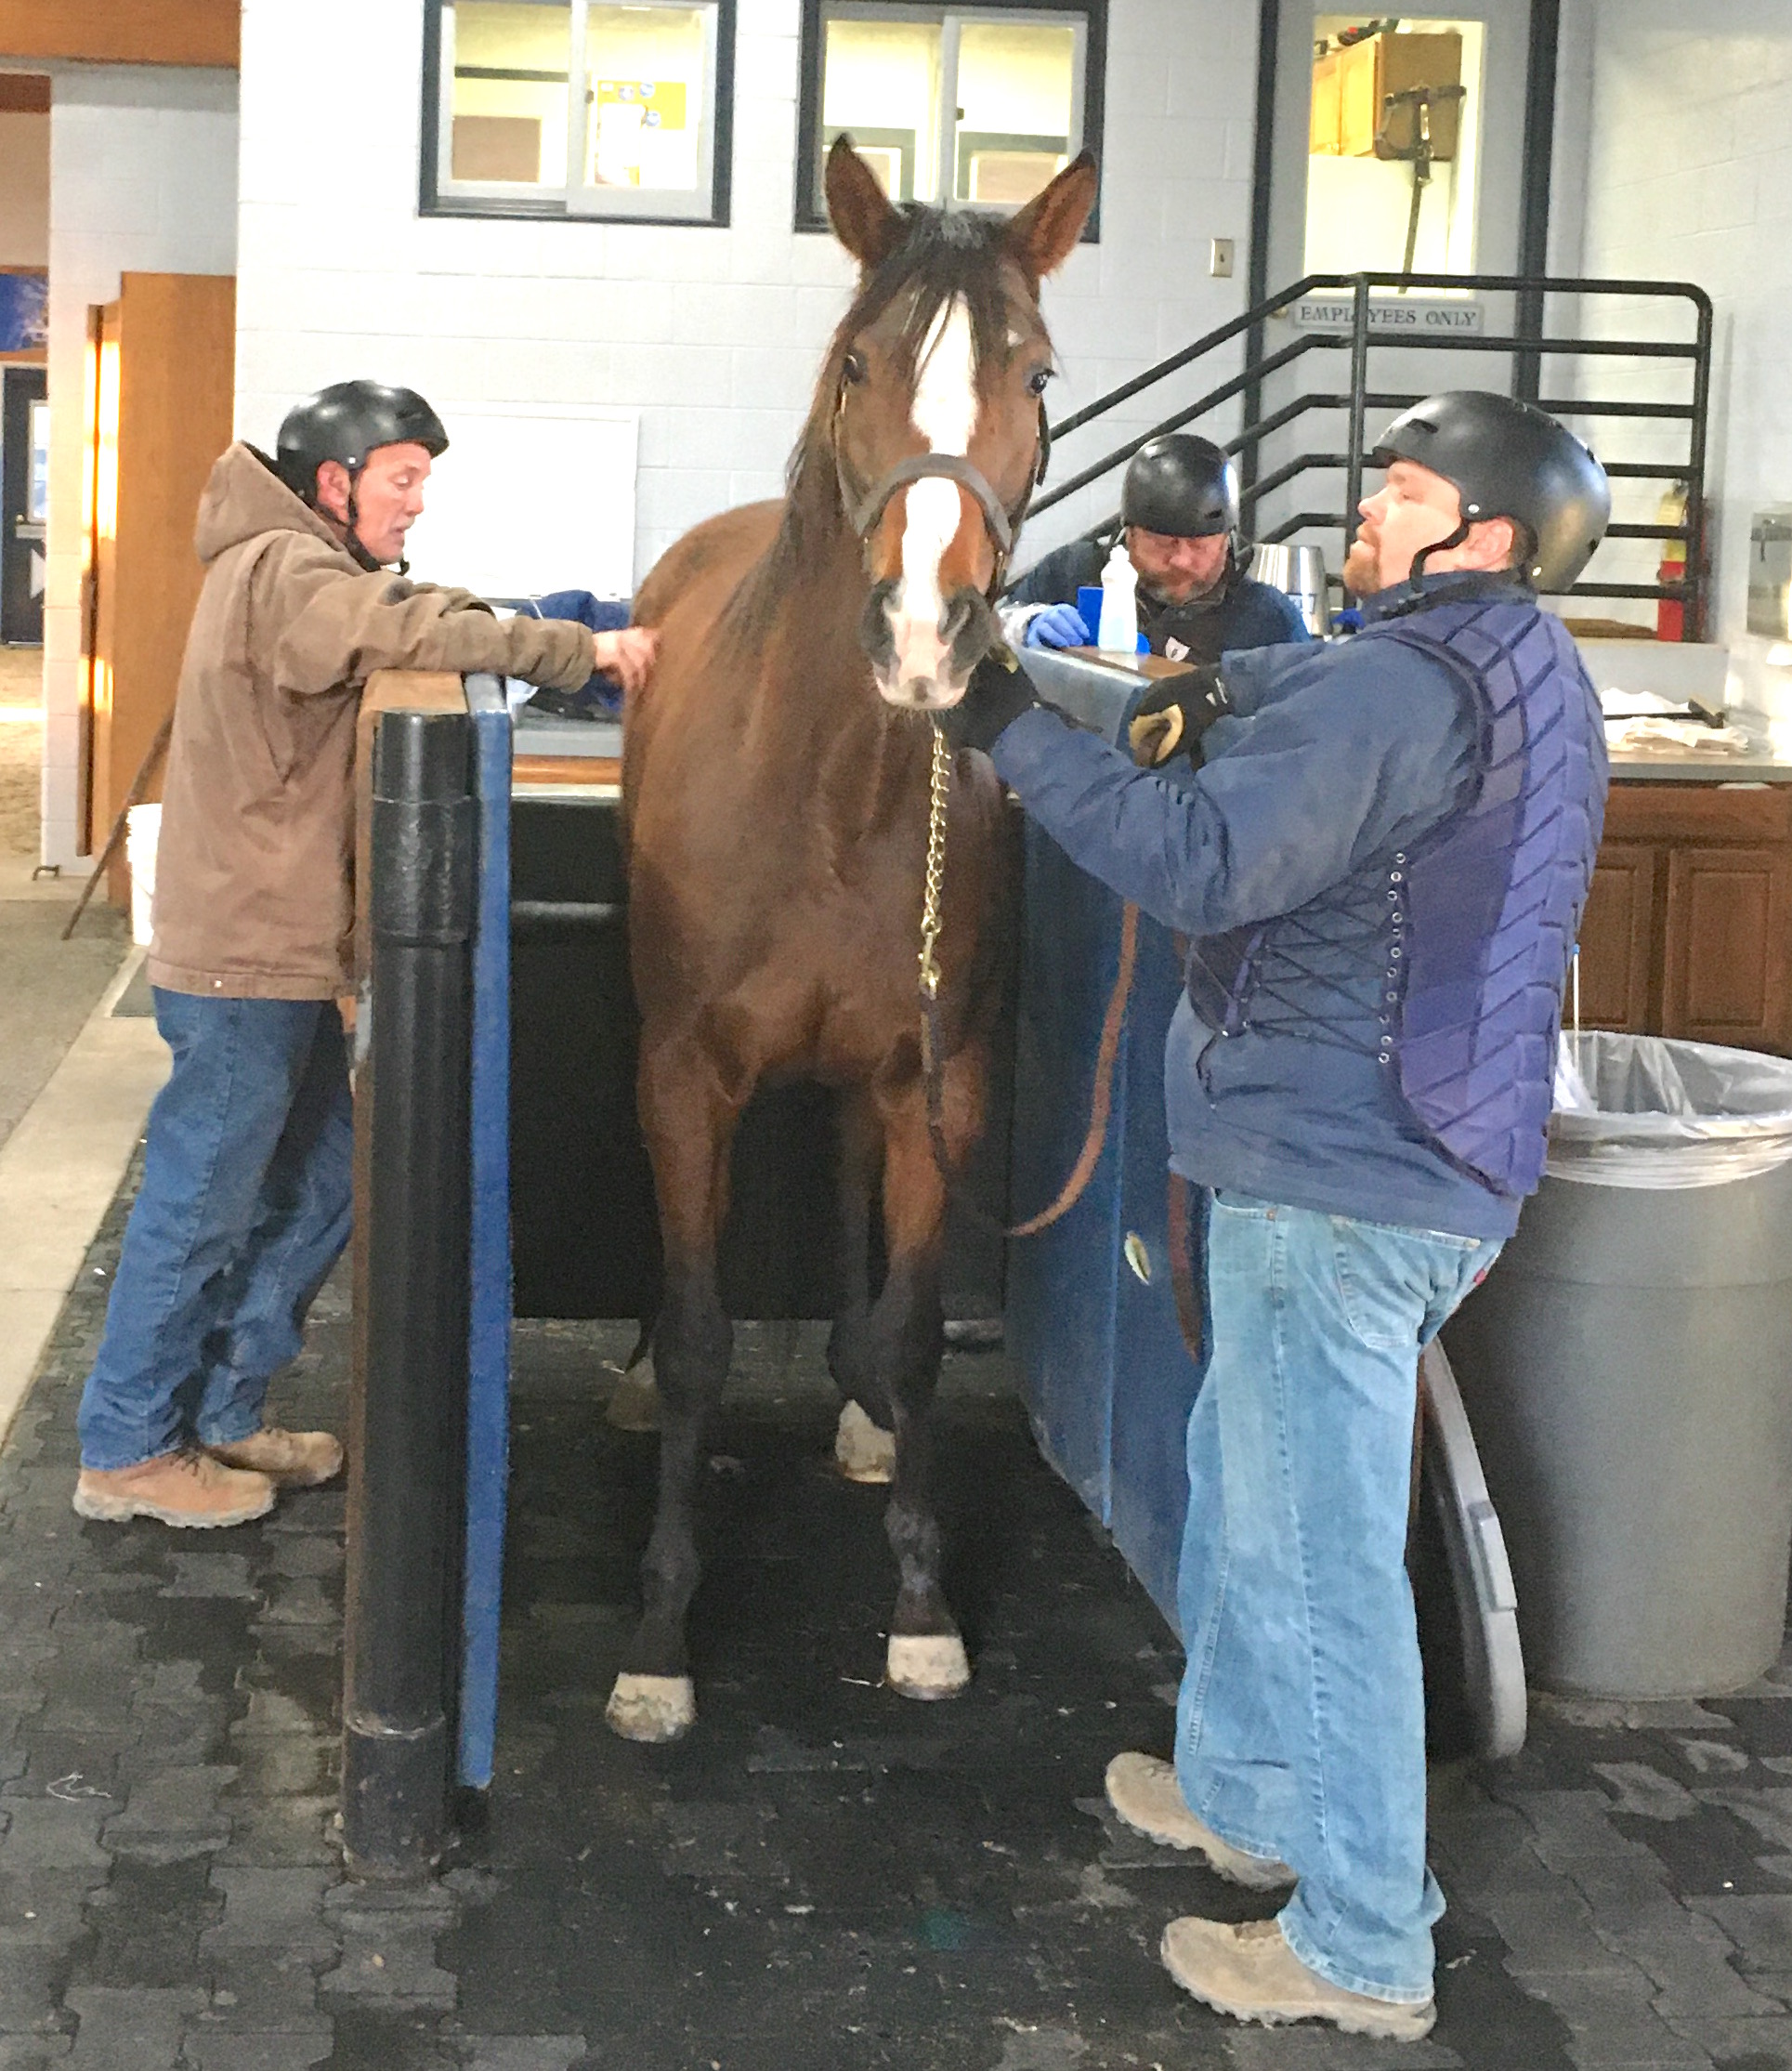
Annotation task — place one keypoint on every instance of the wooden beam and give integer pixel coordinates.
(123, 32)
(24, 93)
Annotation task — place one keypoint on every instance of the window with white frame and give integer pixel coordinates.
(960, 107)
(574, 108)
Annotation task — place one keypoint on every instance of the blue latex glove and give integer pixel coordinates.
(1059, 625)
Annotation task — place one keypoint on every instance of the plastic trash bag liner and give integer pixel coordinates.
(1633, 1110)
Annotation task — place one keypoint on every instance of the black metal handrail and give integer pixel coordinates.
(1360, 339)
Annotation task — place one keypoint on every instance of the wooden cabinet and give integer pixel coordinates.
(1323, 120)
(1618, 939)
(1350, 89)
(1359, 98)
(1687, 931)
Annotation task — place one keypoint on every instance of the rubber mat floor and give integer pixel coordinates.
(823, 1876)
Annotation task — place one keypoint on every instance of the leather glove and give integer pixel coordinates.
(999, 691)
(1059, 625)
(1172, 717)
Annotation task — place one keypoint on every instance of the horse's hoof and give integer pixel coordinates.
(864, 1451)
(927, 1665)
(652, 1707)
(634, 1400)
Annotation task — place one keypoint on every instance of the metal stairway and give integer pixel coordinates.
(1263, 410)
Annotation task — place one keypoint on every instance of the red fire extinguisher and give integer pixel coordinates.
(1670, 611)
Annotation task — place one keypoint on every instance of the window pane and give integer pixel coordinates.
(645, 89)
(880, 83)
(510, 92)
(1016, 87)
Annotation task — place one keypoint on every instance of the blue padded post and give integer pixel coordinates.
(488, 1406)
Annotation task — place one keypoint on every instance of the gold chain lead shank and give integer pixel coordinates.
(938, 790)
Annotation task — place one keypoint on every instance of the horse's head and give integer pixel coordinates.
(932, 396)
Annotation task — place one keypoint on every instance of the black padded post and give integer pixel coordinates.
(407, 1455)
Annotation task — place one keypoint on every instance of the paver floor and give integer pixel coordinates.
(823, 1877)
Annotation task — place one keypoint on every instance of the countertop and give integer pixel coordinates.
(1094, 690)
(1665, 766)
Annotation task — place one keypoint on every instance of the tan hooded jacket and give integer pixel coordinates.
(254, 893)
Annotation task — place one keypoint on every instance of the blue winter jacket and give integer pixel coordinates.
(1337, 753)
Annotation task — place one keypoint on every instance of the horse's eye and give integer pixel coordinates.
(854, 370)
(1036, 380)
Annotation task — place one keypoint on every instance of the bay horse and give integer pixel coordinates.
(775, 783)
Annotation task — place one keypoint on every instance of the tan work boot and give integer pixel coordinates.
(187, 1488)
(295, 1459)
(1250, 1972)
(1146, 1797)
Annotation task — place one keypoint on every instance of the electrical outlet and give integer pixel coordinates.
(1219, 259)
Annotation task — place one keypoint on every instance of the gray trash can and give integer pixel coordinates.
(1628, 1370)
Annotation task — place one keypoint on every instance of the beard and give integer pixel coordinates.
(1362, 569)
(1167, 590)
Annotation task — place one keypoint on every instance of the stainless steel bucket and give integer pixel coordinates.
(1299, 572)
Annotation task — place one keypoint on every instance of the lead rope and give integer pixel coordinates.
(933, 1045)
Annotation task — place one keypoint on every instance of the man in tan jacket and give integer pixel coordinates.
(244, 1205)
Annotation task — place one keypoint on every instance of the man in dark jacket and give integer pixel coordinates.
(1381, 864)
(245, 1196)
(1179, 511)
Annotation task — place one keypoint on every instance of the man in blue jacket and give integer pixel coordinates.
(1380, 865)
(1179, 511)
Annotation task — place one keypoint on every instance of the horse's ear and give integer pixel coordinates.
(861, 213)
(1044, 233)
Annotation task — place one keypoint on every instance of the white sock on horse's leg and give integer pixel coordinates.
(634, 1400)
(651, 1707)
(927, 1665)
(864, 1451)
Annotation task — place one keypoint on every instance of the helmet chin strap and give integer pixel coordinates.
(1447, 545)
(353, 541)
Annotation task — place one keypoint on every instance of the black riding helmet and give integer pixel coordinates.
(1180, 485)
(1508, 459)
(346, 421)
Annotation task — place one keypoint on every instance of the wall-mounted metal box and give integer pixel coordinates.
(1770, 573)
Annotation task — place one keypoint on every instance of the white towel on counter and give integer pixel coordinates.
(1679, 736)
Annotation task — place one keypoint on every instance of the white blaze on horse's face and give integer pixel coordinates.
(945, 414)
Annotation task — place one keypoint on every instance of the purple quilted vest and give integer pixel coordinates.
(1458, 949)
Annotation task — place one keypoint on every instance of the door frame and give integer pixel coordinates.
(1543, 42)
(15, 380)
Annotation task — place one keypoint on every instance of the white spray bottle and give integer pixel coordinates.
(1118, 631)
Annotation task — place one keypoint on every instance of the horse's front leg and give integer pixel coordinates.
(689, 1121)
(926, 1653)
(864, 1447)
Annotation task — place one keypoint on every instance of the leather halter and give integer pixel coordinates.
(1001, 523)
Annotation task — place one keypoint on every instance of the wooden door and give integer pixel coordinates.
(163, 398)
(1619, 983)
(1726, 976)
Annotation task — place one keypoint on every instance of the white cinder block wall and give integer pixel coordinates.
(142, 181)
(712, 335)
(1688, 176)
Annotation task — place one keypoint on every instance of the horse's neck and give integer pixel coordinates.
(818, 727)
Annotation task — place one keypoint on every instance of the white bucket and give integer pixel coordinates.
(142, 826)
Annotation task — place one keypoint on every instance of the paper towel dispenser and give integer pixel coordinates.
(1770, 573)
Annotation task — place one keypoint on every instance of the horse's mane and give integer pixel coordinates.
(942, 254)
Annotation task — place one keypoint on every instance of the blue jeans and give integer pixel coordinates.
(244, 1209)
(1300, 1728)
